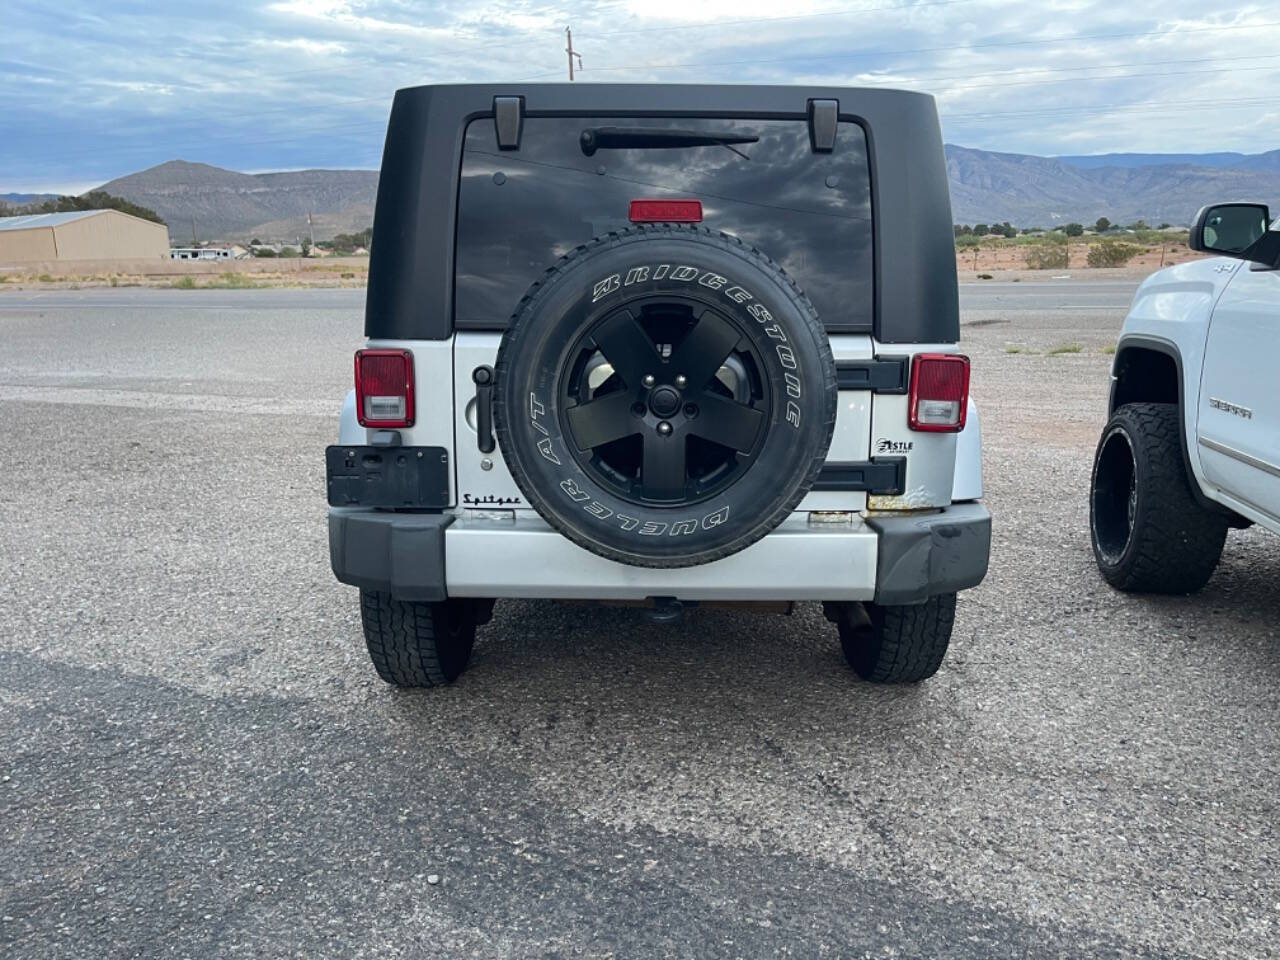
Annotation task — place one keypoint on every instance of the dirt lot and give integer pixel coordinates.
(197, 760)
(1006, 257)
(188, 274)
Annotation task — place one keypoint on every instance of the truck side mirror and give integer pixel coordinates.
(1234, 230)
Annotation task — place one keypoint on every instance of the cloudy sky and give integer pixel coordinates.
(94, 89)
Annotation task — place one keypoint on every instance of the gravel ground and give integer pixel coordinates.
(196, 759)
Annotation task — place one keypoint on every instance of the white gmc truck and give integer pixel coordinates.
(660, 345)
(1192, 446)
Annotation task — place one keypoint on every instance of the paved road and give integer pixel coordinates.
(197, 761)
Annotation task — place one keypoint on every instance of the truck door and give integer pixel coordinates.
(1238, 428)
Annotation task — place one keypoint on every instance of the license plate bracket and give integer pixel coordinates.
(360, 476)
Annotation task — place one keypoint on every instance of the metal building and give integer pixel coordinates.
(81, 235)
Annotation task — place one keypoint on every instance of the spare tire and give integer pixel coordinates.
(664, 396)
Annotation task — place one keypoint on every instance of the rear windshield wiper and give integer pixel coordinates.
(619, 138)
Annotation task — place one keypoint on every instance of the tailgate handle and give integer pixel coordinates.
(483, 378)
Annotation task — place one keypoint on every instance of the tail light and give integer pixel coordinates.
(384, 388)
(939, 392)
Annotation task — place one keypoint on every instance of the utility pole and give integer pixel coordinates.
(568, 33)
(194, 241)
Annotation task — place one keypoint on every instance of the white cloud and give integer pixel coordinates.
(100, 90)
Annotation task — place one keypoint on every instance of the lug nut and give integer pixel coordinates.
(648, 380)
(681, 381)
(690, 410)
(664, 428)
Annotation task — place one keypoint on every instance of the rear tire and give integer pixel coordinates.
(895, 644)
(1149, 534)
(415, 643)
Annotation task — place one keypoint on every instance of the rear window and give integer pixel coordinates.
(520, 210)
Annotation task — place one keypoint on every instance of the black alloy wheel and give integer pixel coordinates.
(664, 401)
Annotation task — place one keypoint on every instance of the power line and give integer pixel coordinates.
(909, 79)
(1138, 107)
(1110, 76)
(958, 119)
(717, 24)
(1093, 66)
(947, 48)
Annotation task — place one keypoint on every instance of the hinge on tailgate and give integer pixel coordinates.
(881, 476)
(508, 121)
(879, 375)
(823, 121)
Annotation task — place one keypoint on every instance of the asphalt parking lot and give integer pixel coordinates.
(196, 759)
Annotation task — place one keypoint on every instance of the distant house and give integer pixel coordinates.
(81, 235)
(201, 253)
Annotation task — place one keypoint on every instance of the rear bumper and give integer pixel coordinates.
(924, 555)
(889, 559)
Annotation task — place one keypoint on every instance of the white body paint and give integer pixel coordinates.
(1222, 319)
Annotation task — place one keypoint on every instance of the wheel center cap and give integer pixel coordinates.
(664, 401)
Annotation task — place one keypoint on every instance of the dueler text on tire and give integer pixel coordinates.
(1149, 533)
(665, 396)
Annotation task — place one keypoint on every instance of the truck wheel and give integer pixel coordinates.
(895, 644)
(418, 644)
(1149, 533)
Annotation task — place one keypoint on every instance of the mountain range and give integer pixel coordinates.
(986, 186)
(226, 205)
(1159, 188)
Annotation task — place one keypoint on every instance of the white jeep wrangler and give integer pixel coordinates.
(661, 345)
(1193, 443)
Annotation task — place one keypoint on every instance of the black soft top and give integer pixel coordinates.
(411, 277)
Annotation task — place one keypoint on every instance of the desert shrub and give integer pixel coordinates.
(1047, 256)
(288, 252)
(1102, 225)
(1073, 229)
(968, 241)
(183, 283)
(1112, 253)
(234, 281)
(263, 252)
